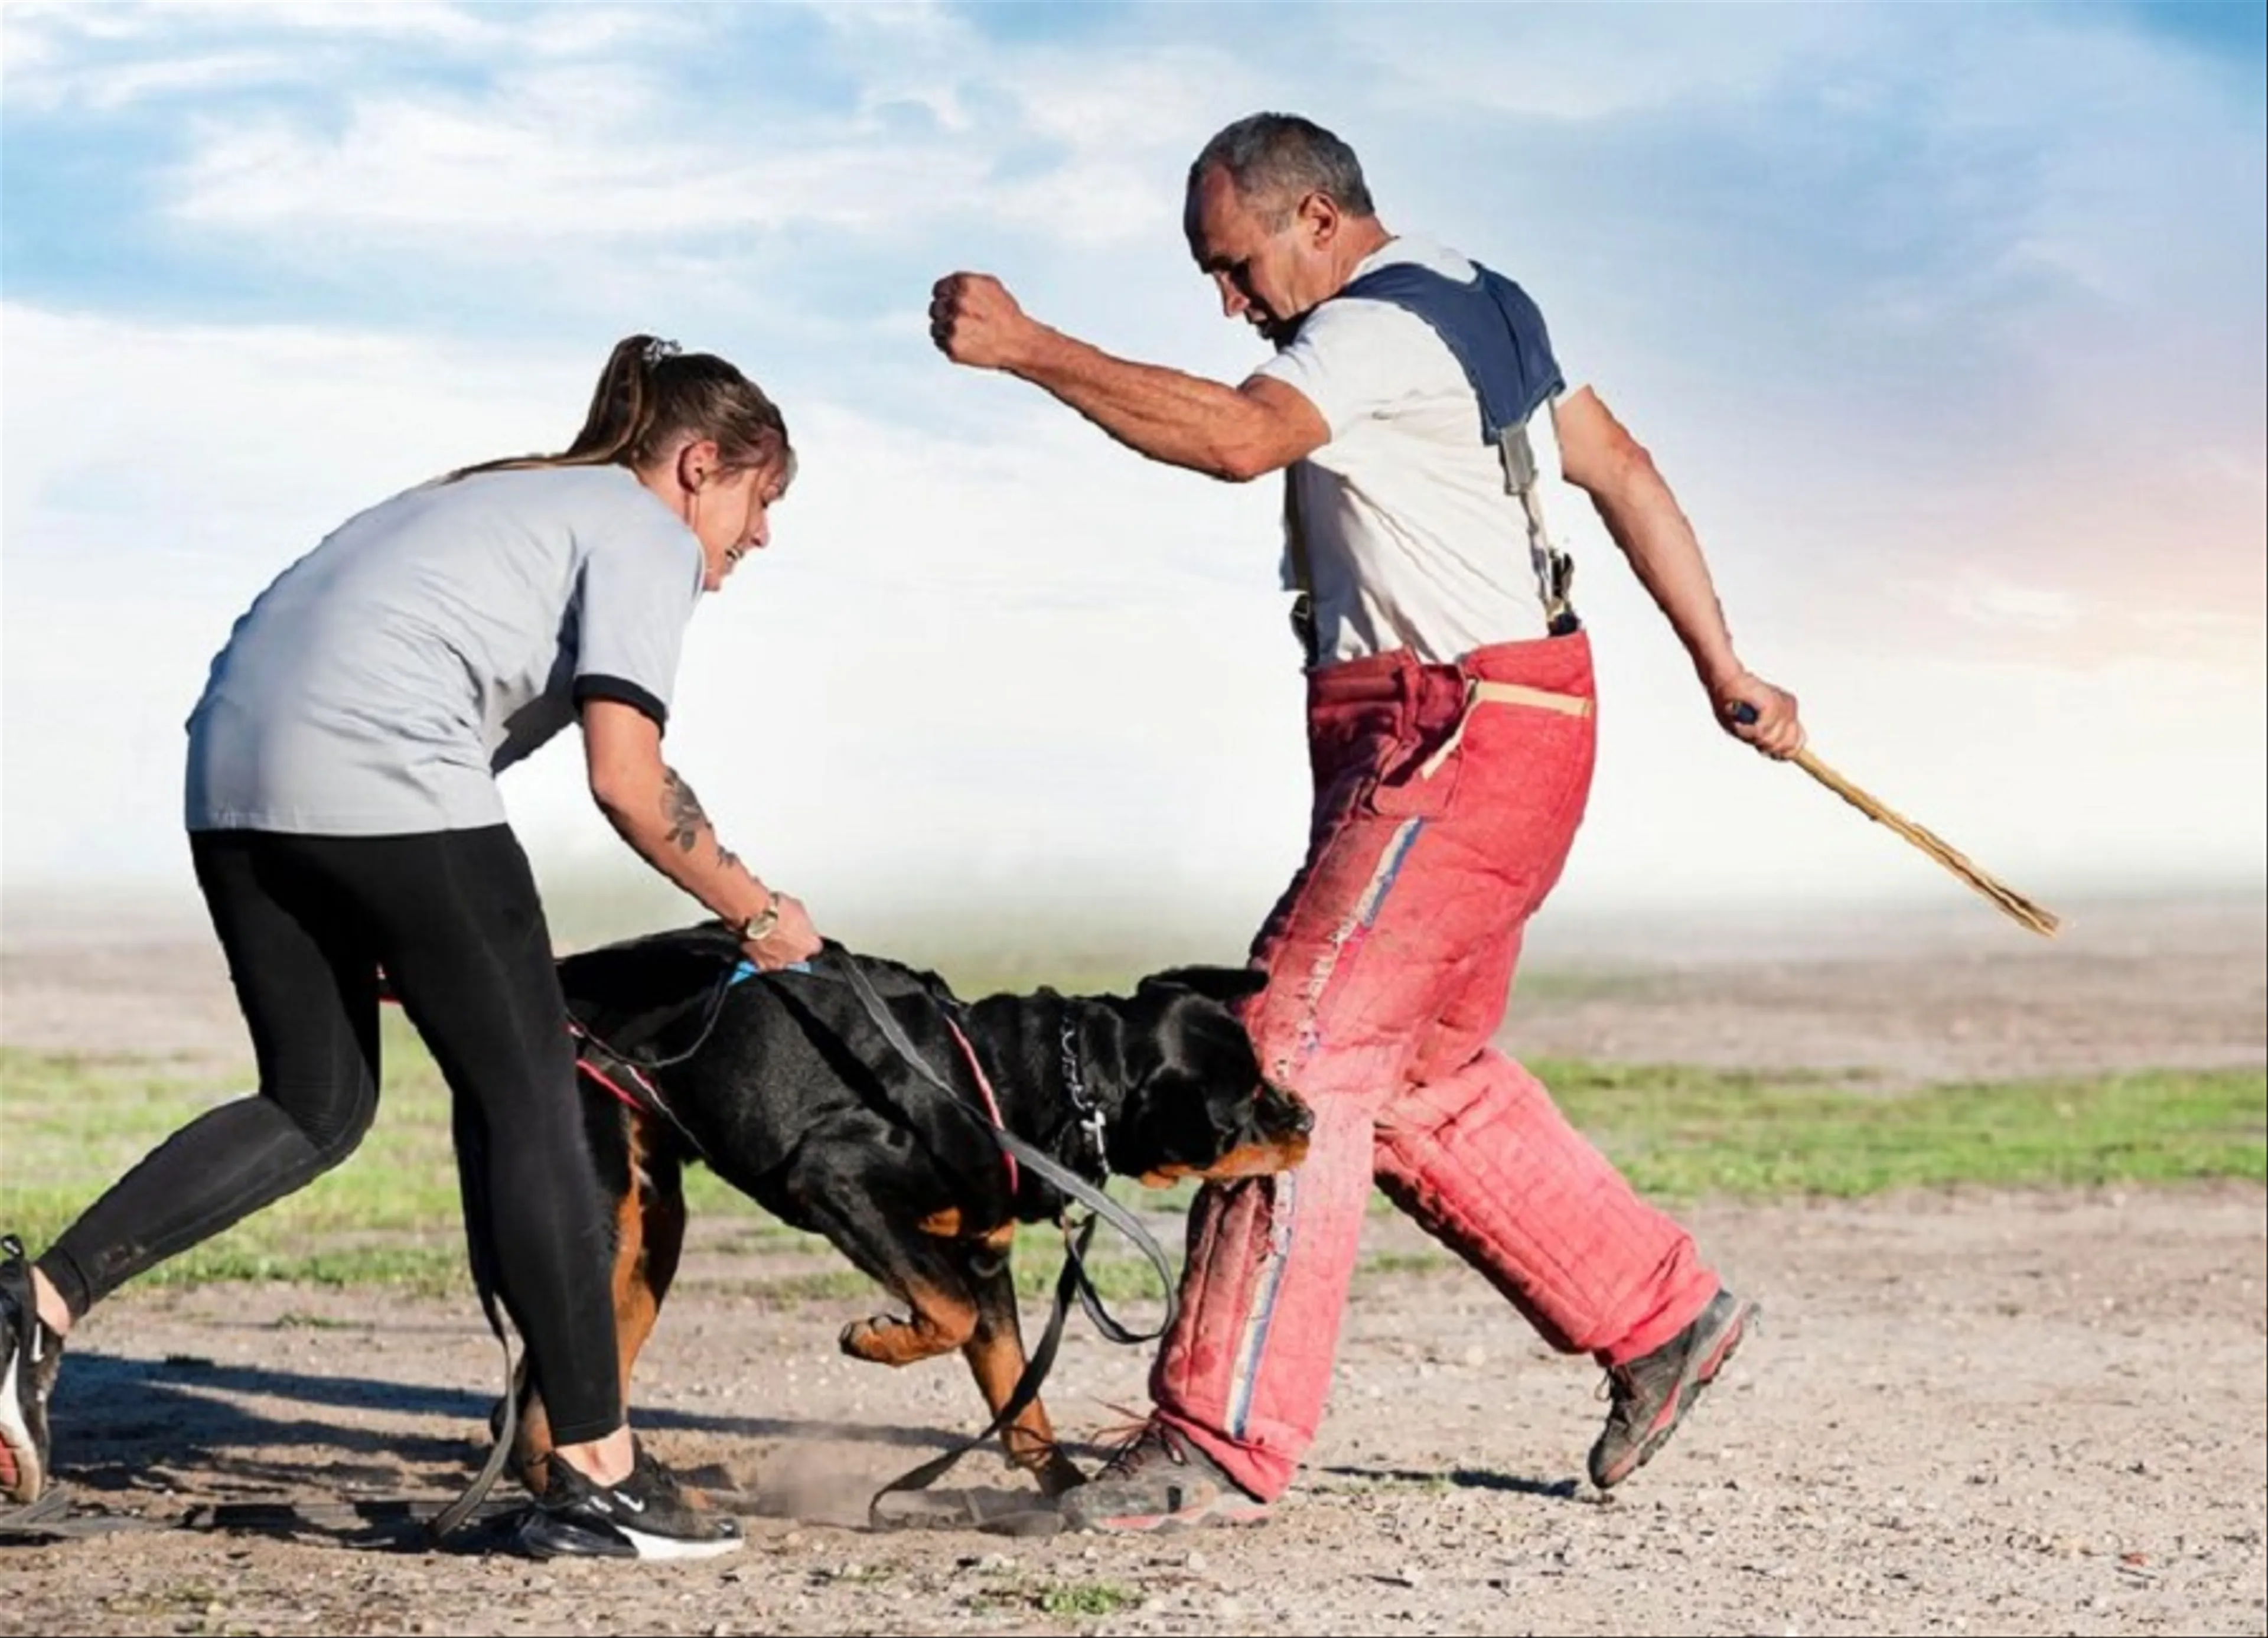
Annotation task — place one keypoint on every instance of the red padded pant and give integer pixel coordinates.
(1442, 819)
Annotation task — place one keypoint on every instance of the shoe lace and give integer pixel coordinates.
(658, 1482)
(1135, 1443)
(1620, 1386)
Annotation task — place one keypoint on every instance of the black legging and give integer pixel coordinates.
(453, 918)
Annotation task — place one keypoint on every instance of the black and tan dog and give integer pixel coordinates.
(783, 1085)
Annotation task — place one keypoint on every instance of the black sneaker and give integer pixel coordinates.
(30, 1356)
(1652, 1394)
(643, 1516)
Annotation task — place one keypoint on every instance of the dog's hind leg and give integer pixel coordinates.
(996, 1358)
(650, 1240)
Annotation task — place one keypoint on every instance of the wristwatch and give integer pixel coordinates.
(760, 925)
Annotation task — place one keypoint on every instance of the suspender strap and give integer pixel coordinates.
(1304, 624)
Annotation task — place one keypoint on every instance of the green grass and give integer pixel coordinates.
(1684, 1133)
(71, 1123)
(1086, 1597)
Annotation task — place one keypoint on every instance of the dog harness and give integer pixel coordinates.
(991, 1103)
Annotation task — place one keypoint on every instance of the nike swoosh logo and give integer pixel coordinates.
(633, 1505)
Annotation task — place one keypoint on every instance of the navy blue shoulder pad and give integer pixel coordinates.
(1489, 323)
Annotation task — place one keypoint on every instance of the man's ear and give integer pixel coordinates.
(1225, 984)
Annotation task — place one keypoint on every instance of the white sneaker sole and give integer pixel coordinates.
(574, 1541)
(666, 1549)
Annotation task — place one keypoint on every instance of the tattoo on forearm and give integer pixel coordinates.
(727, 857)
(683, 809)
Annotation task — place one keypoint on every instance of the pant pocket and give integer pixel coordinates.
(1422, 782)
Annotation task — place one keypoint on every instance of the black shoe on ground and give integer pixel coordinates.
(645, 1516)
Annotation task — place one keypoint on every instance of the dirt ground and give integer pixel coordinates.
(1964, 1412)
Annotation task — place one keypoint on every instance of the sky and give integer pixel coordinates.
(1945, 323)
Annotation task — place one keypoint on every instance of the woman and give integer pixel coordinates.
(343, 817)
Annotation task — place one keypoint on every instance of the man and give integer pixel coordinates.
(1416, 406)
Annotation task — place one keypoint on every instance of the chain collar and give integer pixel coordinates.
(1085, 1114)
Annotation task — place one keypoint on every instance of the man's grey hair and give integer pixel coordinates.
(1276, 160)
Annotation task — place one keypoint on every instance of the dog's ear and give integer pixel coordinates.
(1225, 984)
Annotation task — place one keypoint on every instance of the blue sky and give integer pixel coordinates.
(1946, 323)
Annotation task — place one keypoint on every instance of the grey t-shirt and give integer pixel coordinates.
(381, 682)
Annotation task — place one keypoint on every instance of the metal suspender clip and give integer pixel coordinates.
(1519, 458)
(1555, 570)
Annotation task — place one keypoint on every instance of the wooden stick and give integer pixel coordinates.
(2014, 904)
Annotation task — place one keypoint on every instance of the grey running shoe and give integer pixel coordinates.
(1159, 1480)
(1653, 1393)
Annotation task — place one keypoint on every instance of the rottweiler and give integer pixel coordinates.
(782, 1084)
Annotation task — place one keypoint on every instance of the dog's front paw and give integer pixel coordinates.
(1060, 1476)
(871, 1339)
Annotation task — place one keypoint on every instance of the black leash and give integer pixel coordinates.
(1037, 1367)
(53, 1517)
(1074, 1279)
(472, 1170)
(445, 1523)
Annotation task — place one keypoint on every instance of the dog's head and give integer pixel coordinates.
(1195, 1102)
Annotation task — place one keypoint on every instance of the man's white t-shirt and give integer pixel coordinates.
(1412, 540)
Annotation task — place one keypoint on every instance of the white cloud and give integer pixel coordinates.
(1592, 64)
(113, 56)
(579, 152)
(609, 148)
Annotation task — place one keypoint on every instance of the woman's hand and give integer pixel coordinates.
(789, 940)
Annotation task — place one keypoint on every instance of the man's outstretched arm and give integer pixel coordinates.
(1235, 434)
